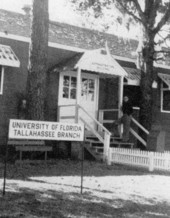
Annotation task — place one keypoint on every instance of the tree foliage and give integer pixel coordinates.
(151, 16)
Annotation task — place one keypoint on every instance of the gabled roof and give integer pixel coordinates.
(100, 61)
(65, 34)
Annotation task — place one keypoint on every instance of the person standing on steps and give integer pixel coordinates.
(125, 119)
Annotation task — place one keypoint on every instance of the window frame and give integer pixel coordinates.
(162, 95)
(70, 87)
(1, 79)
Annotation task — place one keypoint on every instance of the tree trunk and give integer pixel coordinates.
(37, 66)
(147, 75)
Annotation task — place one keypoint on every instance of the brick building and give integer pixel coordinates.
(103, 82)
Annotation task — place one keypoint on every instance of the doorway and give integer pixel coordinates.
(68, 94)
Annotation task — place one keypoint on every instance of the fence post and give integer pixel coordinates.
(109, 157)
(167, 158)
(106, 146)
(151, 161)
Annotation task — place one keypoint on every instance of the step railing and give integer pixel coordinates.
(136, 135)
(104, 137)
(115, 112)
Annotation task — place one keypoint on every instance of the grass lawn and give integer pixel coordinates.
(53, 190)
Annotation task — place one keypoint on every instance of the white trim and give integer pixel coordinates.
(65, 47)
(50, 44)
(161, 100)
(78, 91)
(2, 80)
(62, 101)
(166, 112)
(131, 82)
(136, 108)
(15, 37)
(134, 61)
(162, 66)
(97, 94)
(123, 58)
(60, 89)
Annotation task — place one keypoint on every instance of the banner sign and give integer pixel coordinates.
(42, 130)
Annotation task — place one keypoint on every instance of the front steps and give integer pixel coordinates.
(96, 148)
(95, 151)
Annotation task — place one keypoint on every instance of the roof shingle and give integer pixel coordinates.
(19, 24)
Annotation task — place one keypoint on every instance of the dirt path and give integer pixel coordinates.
(54, 191)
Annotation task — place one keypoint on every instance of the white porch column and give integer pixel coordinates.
(120, 99)
(2, 78)
(78, 93)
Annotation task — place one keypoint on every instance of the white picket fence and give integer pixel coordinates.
(134, 157)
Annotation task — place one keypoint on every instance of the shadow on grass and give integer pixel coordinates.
(72, 168)
(31, 203)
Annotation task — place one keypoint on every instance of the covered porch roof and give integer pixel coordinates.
(100, 61)
(106, 66)
(133, 77)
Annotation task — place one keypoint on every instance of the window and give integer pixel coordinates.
(87, 89)
(1, 79)
(69, 87)
(165, 98)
